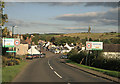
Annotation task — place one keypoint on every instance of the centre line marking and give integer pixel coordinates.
(51, 67)
(57, 74)
(53, 70)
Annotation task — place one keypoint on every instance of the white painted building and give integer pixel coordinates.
(111, 51)
(69, 47)
(33, 50)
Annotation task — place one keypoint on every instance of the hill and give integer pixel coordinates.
(95, 35)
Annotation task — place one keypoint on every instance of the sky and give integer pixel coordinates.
(62, 17)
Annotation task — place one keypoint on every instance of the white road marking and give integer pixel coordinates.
(57, 74)
(51, 67)
(53, 70)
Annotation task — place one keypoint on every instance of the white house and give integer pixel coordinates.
(70, 47)
(33, 50)
(111, 51)
(48, 43)
(65, 49)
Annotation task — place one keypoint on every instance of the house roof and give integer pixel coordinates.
(23, 42)
(71, 45)
(111, 47)
(65, 48)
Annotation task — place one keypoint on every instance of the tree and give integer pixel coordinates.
(5, 32)
(52, 39)
(3, 16)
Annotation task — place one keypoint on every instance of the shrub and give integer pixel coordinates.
(10, 63)
(17, 62)
(4, 61)
(17, 57)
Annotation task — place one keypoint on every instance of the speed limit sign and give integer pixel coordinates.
(17, 42)
(88, 45)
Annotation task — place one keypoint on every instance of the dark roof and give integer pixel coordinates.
(71, 45)
(23, 42)
(65, 48)
(111, 47)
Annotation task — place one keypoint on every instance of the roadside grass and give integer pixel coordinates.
(107, 72)
(9, 72)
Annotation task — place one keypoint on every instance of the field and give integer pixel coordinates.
(94, 35)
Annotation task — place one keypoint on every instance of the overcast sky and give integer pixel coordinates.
(61, 17)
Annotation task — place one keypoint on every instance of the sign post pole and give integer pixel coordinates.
(92, 45)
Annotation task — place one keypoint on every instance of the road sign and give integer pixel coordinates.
(97, 45)
(16, 42)
(8, 42)
(90, 45)
(11, 42)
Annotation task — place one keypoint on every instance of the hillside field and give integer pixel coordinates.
(94, 35)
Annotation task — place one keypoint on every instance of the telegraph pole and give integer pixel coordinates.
(89, 29)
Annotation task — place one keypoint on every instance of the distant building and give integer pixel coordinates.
(33, 50)
(22, 49)
(10, 33)
(21, 37)
(65, 49)
(70, 47)
(28, 40)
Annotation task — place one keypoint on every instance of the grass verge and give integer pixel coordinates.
(9, 72)
(107, 72)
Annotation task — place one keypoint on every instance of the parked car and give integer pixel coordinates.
(56, 51)
(43, 55)
(34, 55)
(64, 57)
(29, 57)
(37, 55)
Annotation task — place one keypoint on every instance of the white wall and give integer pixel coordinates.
(113, 55)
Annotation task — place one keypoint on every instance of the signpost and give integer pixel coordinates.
(92, 45)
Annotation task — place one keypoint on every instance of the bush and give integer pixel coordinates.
(17, 62)
(17, 57)
(10, 63)
(77, 57)
(4, 61)
(109, 64)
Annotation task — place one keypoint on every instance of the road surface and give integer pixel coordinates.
(50, 69)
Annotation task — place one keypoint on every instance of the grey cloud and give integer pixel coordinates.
(22, 23)
(64, 3)
(105, 4)
(99, 18)
(75, 28)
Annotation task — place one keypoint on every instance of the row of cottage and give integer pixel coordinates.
(109, 50)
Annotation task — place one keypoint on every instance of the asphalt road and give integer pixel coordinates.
(50, 69)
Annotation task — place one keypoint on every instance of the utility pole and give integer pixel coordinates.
(89, 29)
(13, 37)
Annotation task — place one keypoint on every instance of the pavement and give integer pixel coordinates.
(50, 69)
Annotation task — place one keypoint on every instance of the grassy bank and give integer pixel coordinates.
(9, 72)
(107, 72)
